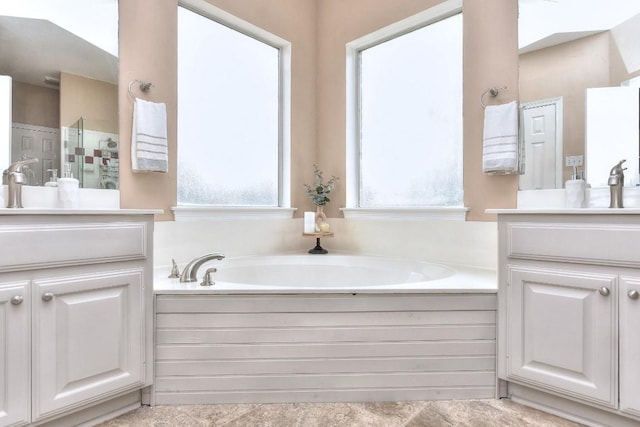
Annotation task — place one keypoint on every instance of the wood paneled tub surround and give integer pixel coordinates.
(309, 328)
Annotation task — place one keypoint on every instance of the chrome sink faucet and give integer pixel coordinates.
(616, 183)
(189, 274)
(14, 178)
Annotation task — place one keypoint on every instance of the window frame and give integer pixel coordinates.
(283, 209)
(353, 210)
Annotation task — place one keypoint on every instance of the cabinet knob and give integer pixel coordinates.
(633, 294)
(17, 300)
(47, 296)
(604, 291)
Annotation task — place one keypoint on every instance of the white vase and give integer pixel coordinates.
(320, 217)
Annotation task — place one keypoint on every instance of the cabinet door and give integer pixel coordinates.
(630, 345)
(88, 339)
(561, 332)
(15, 354)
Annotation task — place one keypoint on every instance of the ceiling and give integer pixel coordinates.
(31, 49)
(545, 23)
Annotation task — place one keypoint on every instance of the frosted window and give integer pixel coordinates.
(411, 118)
(228, 115)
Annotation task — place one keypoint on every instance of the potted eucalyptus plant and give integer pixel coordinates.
(319, 192)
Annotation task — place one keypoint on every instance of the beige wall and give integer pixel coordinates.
(318, 31)
(490, 59)
(35, 105)
(94, 99)
(148, 51)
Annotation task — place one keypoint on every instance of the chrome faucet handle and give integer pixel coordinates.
(175, 272)
(617, 170)
(17, 166)
(206, 280)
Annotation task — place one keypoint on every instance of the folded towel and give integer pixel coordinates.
(149, 137)
(500, 146)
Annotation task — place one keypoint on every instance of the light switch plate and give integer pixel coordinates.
(574, 160)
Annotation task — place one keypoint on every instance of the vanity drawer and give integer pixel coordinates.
(604, 244)
(29, 246)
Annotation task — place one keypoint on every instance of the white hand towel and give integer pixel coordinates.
(149, 137)
(500, 142)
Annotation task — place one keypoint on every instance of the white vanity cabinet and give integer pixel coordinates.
(630, 345)
(561, 331)
(75, 315)
(88, 332)
(569, 312)
(15, 353)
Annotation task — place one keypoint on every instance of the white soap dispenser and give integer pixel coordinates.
(68, 189)
(574, 190)
(53, 178)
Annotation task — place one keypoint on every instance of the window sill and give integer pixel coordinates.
(454, 213)
(199, 213)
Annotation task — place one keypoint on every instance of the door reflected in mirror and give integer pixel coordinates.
(62, 58)
(567, 47)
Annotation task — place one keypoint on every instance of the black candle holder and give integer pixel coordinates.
(318, 249)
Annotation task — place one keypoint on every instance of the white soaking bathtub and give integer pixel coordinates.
(332, 272)
(325, 328)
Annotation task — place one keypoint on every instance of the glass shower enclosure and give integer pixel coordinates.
(93, 154)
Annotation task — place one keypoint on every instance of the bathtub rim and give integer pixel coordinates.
(463, 280)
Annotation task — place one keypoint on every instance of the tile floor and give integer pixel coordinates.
(467, 413)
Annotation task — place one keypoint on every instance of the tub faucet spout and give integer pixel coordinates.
(189, 274)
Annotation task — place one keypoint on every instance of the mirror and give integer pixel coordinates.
(62, 58)
(565, 48)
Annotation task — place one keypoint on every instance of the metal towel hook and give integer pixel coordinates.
(493, 91)
(143, 86)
